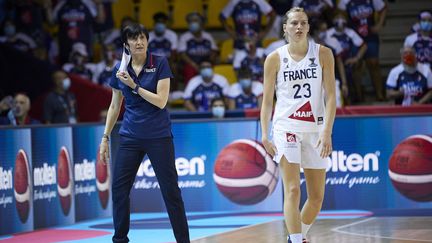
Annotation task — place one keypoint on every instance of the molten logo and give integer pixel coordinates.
(341, 162)
(304, 113)
(6, 182)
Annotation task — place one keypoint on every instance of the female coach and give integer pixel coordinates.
(300, 72)
(146, 129)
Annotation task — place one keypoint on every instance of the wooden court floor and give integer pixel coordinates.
(370, 230)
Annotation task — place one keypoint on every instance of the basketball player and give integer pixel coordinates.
(146, 129)
(300, 72)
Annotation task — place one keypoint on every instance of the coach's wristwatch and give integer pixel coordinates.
(135, 90)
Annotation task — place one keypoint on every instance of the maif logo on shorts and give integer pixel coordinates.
(291, 138)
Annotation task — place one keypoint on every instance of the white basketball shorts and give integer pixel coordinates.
(299, 148)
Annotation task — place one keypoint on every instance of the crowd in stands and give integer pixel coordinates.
(79, 37)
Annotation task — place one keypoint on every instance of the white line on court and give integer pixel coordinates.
(338, 230)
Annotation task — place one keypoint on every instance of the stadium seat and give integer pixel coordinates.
(227, 71)
(183, 8)
(120, 10)
(213, 11)
(267, 41)
(148, 8)
(226, 50)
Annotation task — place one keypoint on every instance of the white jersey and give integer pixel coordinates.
(299, 92)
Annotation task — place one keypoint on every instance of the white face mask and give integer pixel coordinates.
(66, 83)
(218, 111)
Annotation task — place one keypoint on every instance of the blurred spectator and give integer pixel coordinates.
(353, 50)
(410, 82)
(361, 17)
(196, 46)
(114, 37)
(245, 94)
(203, 88)
(106, 12)
(316, 10)
(6, 104)
(416, 26)
(163, 41)
(60, 104)
(280, 7)
(247, 23)
(252, 60)
(421, 40)
(78, 62)
(103, 70)
(319, 34)
(29, 18)
(76, 19)
(218, 108)
(5, 7)
(19, 112)
(276, 44)
(17, 40)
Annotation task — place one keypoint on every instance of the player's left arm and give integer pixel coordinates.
(328, 74)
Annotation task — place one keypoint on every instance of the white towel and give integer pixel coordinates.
(125, 59)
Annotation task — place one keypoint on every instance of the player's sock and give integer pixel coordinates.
(305, 229)
(296, 238)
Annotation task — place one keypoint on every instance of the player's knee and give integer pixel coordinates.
(316, 198)
(293, 191)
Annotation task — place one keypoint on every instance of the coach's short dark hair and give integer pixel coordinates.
(134, 30)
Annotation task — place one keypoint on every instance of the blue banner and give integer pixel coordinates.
(54, 201)
(199, 147)
(92, 179)
(359, 165)
(16, 205)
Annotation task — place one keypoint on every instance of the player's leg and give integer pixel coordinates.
(161, 155)
(315, 173)
(315, 185)
(291, 181)
(128, 159)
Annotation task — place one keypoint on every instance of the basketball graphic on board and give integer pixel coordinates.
(244, 172)
(64, 180)
(22, 186)
(410, 168)
(102, 181)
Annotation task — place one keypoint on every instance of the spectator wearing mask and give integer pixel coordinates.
(17, 40)
(196, 46)
(60, 105)
(103, 70)
(253, 60)
(361, 17)
(246, 15)
(203, 88)
(421, 40)
(353, 50)
(319, 34)
(410, 82)
(245, 94)
(218, 108)
(163, 41)
(280, 7)
(19, 112)
(78, 62)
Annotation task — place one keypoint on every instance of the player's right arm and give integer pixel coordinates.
(112, 116)
(271, 67)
